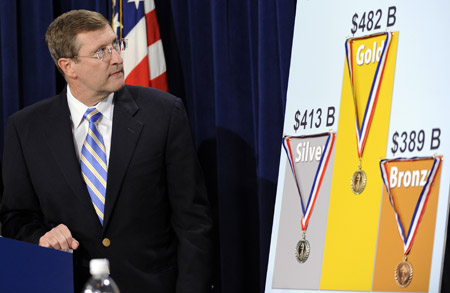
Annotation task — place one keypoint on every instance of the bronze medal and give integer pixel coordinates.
(302, 250)
(403, 274)
(358, 182)
(404, 270)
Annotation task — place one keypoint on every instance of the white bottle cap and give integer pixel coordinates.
(99, 266)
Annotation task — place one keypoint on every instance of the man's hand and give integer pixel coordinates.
(59, 238)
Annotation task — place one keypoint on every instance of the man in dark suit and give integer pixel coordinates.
(150, 214)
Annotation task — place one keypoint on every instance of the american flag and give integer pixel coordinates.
(144, 62)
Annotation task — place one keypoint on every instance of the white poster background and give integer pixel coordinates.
(421, 94)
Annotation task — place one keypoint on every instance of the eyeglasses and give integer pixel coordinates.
(104, 53)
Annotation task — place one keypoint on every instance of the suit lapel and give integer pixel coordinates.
(125, 134)
(60, 142)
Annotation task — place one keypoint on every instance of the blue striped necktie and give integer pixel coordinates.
(93, 163)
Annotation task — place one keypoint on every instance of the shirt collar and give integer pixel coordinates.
(77, 108)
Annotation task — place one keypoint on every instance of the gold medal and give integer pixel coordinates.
(365, 85)
(403, 273)
(302, 250)
(358, 182)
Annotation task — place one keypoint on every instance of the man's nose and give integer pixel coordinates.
(116, 57)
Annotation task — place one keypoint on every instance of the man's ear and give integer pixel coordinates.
(66, 65)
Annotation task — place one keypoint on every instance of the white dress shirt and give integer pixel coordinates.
(80, 125)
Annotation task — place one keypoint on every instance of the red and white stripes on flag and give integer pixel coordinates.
(144, 62)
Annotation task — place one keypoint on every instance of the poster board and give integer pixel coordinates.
(351, 235)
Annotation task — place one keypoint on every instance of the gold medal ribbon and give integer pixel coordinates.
(362, 133)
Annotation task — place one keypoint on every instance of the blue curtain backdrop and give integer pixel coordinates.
(229, 61)
(235, 58)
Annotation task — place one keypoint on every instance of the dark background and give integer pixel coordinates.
(229, 62)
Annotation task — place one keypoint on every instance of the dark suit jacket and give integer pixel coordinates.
(157, 214)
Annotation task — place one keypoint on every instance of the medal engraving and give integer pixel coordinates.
(302, 251)
(358, 182)
(403, 274)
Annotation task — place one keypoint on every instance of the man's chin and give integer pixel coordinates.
(117, 85)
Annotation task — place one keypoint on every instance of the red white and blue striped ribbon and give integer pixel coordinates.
(361, 134)
(421, 202)
(307, 210)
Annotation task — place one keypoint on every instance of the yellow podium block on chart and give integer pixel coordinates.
(361, 141)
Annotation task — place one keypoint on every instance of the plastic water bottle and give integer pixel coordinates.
(100, 281)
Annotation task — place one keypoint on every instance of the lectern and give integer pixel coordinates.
(26, 267)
